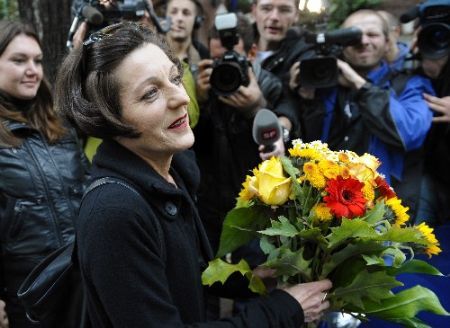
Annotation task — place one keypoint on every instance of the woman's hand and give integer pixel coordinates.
(312, 298)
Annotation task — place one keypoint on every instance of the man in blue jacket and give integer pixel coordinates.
(372, 109)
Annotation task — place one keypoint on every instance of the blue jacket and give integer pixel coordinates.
(374, 119)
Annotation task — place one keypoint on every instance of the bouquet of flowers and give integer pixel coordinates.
(329, 214)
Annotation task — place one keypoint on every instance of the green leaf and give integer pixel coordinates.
(402, 235)
(289, 263)
(219, 271)
(373, 260)
(266, 246)
(376, 214)
(282, 227)
(406, 304)
(356, 228)
(397, 254)
(351, 251)
(374, 286)
(240, 227)
(293, 173)
(415, 266)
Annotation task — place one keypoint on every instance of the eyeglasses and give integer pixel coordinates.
(101, 34)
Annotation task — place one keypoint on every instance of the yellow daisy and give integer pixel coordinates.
(432, 242)
(329, 169)
(322, 212)
(313, 175)
(401, 217)
(368, 191)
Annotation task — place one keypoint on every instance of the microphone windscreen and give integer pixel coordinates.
(266, 128)
(92, 14)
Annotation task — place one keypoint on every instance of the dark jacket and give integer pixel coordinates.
(141, 257)
(437, 160)
(41, 185)
(226, 153)
(377, 120)
(292, 49)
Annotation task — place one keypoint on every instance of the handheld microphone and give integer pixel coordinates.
(92, 15)
(266, 129)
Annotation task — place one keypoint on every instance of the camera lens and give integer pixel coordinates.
(226, 78)
(434, 40)
(319, 72)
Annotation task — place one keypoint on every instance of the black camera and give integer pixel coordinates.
(99, 16)
(230, 71)
(433, 40)
(321, 71)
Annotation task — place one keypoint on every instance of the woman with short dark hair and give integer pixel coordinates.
(41, 171)
(142, 248)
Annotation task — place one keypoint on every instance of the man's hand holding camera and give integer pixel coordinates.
(441, 106)
(203, 84)
(348, 77)
(247, 98)
(294, 84)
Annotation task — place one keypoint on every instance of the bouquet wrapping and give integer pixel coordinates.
(329, 214)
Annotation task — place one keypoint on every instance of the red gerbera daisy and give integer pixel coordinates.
(383, 188)
(345, 198)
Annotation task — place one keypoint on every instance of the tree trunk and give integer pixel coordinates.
(52, 22)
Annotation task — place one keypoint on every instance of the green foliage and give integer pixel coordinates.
(339, 10)
(280, 228)
(305, 240)
(8, 9)
(240, 227)
(404, 306)
(219, 271)
(289, 263)
(374, 286)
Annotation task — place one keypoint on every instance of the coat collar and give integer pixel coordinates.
(114, 159)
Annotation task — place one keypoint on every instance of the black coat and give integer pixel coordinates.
(141, 257)
(41, 185)
(226, 153)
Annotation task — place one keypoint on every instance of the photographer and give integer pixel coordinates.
(89, 16)
(398, 51)
(372, 110)
(224, 145)
(278, 50)
(434, 204)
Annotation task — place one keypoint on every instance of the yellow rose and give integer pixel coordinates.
(273, 187)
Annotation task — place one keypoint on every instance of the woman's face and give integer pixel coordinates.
(154, 101)
(21, 69)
